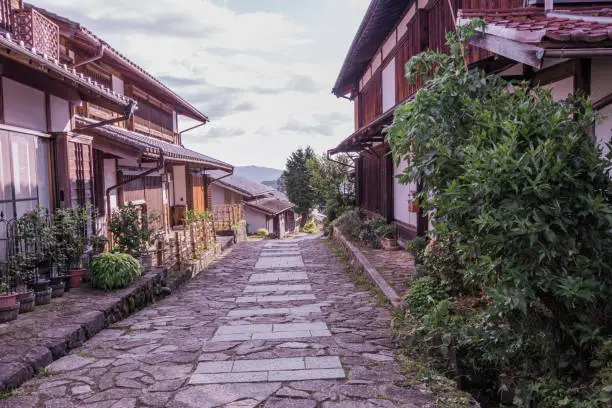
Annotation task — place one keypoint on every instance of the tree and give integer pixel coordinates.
(329, 178)
(297, 182)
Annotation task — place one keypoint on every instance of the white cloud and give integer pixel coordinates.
(253, 73)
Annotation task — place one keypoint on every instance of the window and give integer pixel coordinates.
(25, 176)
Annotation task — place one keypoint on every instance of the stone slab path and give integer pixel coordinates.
(276, 324)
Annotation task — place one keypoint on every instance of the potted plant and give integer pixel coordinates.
(69, 230)
(386, 234)
(133, 233)
(20, 269)
(9, 307)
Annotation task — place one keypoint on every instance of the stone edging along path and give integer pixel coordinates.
(36, 339)
(356, 257)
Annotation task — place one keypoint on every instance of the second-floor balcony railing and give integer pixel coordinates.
(36, 30)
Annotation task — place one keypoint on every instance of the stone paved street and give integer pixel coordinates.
(275, 324)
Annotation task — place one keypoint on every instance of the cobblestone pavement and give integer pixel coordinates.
(275, 324)
(396, 267)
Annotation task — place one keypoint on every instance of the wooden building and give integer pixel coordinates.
(67, 135)
(264, 207)
(373, 76)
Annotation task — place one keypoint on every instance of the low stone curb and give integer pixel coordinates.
(356, 257)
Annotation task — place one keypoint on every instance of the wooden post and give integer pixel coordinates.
(193, 241)
(160, 252)
(178, 248)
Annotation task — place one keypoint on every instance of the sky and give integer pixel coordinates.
(261, 70)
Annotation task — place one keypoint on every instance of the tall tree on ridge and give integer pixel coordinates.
(297, 180)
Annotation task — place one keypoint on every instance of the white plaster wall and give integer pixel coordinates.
(24, 106)
(110, 179)
(255, 220)
(603, 129)
(402, 194)
(601, 78)
(180, 185)
(561, 89)
(388, 86)
(218, 195)
(60, 114)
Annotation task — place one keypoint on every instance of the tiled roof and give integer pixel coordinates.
(151, 146)
(53, 65)
(191, 110)
(270, 205)
(534, 25)
(240, 184)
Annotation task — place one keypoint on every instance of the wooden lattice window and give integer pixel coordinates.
(36, 30)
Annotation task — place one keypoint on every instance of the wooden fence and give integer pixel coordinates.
(226, 216)
(185, 245)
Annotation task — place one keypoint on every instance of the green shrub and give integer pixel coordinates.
(310, 227)
(349, 224)
(421, 296)
(113, 270)
(262, 232)
(523, 221)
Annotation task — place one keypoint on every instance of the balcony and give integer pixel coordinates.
(36, 30)
(150, 128)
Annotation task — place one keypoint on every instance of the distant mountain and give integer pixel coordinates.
(272, 183)
(257, 174)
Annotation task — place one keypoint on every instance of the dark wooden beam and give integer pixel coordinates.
(514, 50)
(555, 73)
(603, 102)
(582, 77)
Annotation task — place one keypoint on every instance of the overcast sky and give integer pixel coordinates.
(262, 70)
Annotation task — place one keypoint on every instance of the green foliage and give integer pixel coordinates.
(330, 182)
(349, 224)
(4, 288)
(310, 227)
(522, 236)
(192, 216)
(262, 232)
(297, 181)
(69, 231)
(113, 270)
(132, 230)
(420, 296)
(369, 233)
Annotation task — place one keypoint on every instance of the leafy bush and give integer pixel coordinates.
(420, 296)
(113, 270)
(192, 216)
(132, 230)
(349, 224)
(523, 228)
(262, 232)
(370, 230)
(310, 227)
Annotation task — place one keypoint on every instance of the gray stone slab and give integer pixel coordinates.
(246, 328)
(274, 298)
(282, 335)
(219, 378)
(279, 262)
(278, 288)
(214, 367)
(288, 363)
(277, 277)
(297, 311)
(322, 362)
(298, 375)
(284, 327)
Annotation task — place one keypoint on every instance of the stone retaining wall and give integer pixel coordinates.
(358, 260)
(37, 338)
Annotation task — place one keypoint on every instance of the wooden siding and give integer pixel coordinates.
(410, 46)
(198, 196)
(374, 182)
(80, 173)
(371, 100)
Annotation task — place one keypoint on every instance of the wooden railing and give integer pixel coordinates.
(36, 30)
(145, 126)
(226, 216)
(181, 246)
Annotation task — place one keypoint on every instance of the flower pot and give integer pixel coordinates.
(413, 206)
(26, 301)
(9, 300)
(66, 279)
(40, 285)
(9, 313)
(389, 244)
(76, 275)
(43, 297)
(57, 288)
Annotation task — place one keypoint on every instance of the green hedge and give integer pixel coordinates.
(113, 270)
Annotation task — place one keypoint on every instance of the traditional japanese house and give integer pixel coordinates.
(262, 206)
(43, 162)
(140, 160)
(564, 49)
